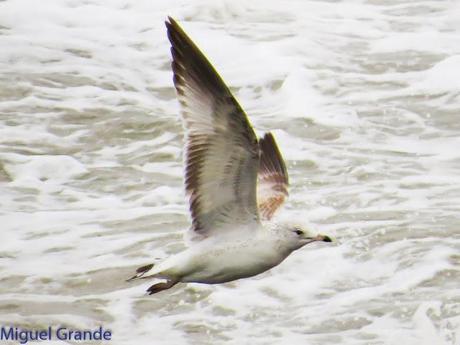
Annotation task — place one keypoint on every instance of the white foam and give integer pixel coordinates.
(444, 76)
(363, 100)
(53, 168)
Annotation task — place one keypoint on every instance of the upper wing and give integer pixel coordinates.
(221, 148)
(273, 178)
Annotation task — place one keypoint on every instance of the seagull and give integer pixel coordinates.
(235, 183)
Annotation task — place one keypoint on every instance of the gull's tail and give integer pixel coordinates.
(140, 272)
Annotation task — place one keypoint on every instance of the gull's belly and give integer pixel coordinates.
(230, 262)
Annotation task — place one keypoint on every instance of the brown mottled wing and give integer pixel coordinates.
(273, 180)
(221, 148)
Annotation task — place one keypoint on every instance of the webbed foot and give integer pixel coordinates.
(161, 286)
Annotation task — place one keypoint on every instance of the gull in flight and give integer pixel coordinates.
(235, 183)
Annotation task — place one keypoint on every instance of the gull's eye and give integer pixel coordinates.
(298, 232)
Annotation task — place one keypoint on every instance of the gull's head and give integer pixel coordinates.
(296, 236)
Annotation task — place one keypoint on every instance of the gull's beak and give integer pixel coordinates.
(323, 238)
(320, 238)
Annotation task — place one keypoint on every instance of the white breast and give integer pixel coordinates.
(227, 261)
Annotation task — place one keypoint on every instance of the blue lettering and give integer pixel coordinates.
(107, 335)
(76, 335)
(23, 337)
(97, 335)
(44, 334)
(61, 333)
(6, 336)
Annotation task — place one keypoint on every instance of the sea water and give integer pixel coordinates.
(364, 100)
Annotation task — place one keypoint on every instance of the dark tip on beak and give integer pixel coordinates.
(327, 239)
(323, 238)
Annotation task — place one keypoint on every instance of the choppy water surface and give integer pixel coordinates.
(364, 98)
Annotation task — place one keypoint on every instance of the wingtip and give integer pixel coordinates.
(175, 33)
(169, 20)
(267, 140)
(269, 136)
(272, 157)
(171, 23)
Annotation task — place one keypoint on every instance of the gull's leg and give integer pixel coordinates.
(161, 286)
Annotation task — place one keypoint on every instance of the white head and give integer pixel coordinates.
(293, 236)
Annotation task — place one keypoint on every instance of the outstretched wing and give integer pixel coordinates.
(273, 179)
(221, 148)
